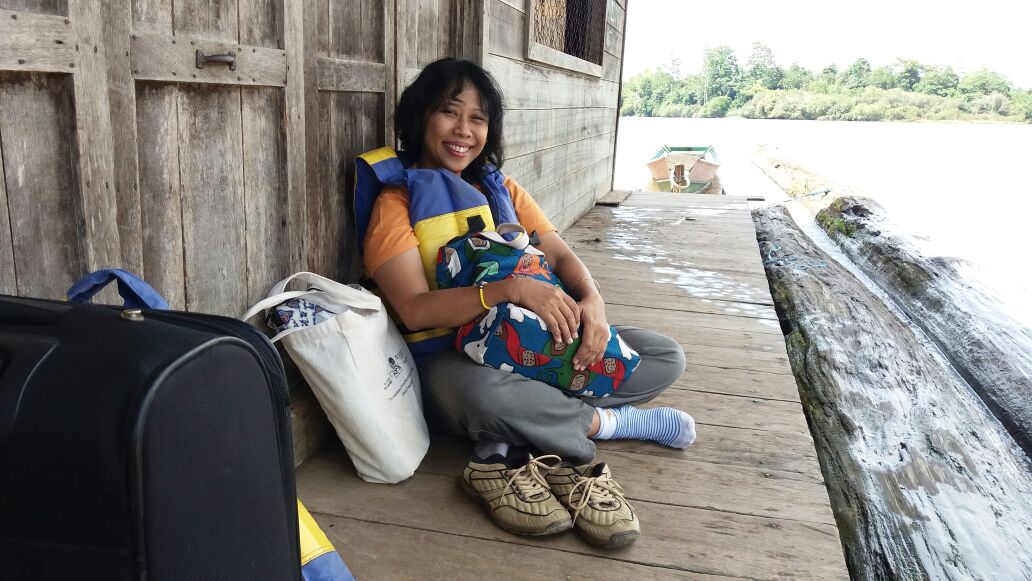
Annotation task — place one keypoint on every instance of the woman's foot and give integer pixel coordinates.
(667, 426)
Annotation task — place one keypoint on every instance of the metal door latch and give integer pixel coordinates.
(228, 58)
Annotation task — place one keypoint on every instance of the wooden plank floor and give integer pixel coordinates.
(746, 501)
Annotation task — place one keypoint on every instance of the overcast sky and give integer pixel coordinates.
(965, 35)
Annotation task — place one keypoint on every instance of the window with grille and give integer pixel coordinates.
(569, 34)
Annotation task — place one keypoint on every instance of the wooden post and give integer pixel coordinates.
(117, 27)
(97, 204)
(391, 65)
(314, 42)
(618, 20)
(295, 43)
(8, 274)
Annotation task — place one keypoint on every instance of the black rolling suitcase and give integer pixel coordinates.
(142, 445)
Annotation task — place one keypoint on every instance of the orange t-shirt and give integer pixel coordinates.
(390, 230)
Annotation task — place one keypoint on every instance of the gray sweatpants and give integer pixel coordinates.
(464, 398)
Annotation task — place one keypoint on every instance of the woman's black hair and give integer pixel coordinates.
(439, 82)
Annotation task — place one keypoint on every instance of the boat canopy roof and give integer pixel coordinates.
(703, 151)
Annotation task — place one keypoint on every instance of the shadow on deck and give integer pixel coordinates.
(747, 500)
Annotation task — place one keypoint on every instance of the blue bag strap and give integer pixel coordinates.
(136, 293)
(498, 197)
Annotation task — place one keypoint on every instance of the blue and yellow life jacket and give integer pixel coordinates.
(319, 560)
(441, 206)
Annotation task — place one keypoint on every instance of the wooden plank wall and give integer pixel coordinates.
(117, 151)
(424, 27)
(560, 126)
(39, 244)
(40, 181)
(214, 183)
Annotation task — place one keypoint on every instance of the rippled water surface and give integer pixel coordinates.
(963, 190)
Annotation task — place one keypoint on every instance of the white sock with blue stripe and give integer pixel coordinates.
(667, 426)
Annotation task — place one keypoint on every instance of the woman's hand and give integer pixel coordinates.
(560, 313)
(595, 332)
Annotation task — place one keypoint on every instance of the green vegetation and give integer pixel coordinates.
(762, 89)
(840, 226)
(838, 205)
(833, 225)
(716, 107)
(832, 220)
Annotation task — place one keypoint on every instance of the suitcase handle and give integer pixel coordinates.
(136, 293)
(20, 356)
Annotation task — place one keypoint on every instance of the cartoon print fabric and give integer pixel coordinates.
(511, 338)
(294, 313)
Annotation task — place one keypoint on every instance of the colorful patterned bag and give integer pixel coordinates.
(512, 338)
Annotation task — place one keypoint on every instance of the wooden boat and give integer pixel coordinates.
(685, 169)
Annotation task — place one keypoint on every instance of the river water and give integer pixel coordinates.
(960, 189)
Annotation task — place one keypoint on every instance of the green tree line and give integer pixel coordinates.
(762, 89)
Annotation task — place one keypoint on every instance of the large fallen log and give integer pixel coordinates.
(991, 351)
(924, 482)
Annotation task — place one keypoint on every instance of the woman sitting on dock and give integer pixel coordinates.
(450, 119)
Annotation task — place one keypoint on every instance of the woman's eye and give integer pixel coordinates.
(449, 112)
(479, 119)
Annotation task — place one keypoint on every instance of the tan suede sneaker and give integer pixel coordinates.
(517, 495)
(600, 512)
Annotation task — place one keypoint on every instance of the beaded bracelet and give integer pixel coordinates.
(483, 303)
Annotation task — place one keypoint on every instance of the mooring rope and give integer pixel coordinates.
(819, 192)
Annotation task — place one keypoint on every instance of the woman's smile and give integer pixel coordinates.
(457, 149)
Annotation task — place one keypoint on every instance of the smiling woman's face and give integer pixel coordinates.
(456, 133)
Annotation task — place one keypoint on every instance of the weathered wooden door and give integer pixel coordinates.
(215, 205)
(125, 143)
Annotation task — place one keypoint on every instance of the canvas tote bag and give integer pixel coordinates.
(362, 373)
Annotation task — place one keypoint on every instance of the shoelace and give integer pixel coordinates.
(528, 479)
(597, 490)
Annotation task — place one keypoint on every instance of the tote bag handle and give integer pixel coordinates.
(273, 300)
(519, 243)
(339, 294)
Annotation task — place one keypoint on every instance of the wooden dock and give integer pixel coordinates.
(746, 501)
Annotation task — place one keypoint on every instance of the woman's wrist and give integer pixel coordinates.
(502, 291)
(586, 287)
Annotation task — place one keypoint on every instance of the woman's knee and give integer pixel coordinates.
(662, 363)
(663, 358)
(668, 356)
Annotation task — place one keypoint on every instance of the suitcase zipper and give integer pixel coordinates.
(268, 357)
